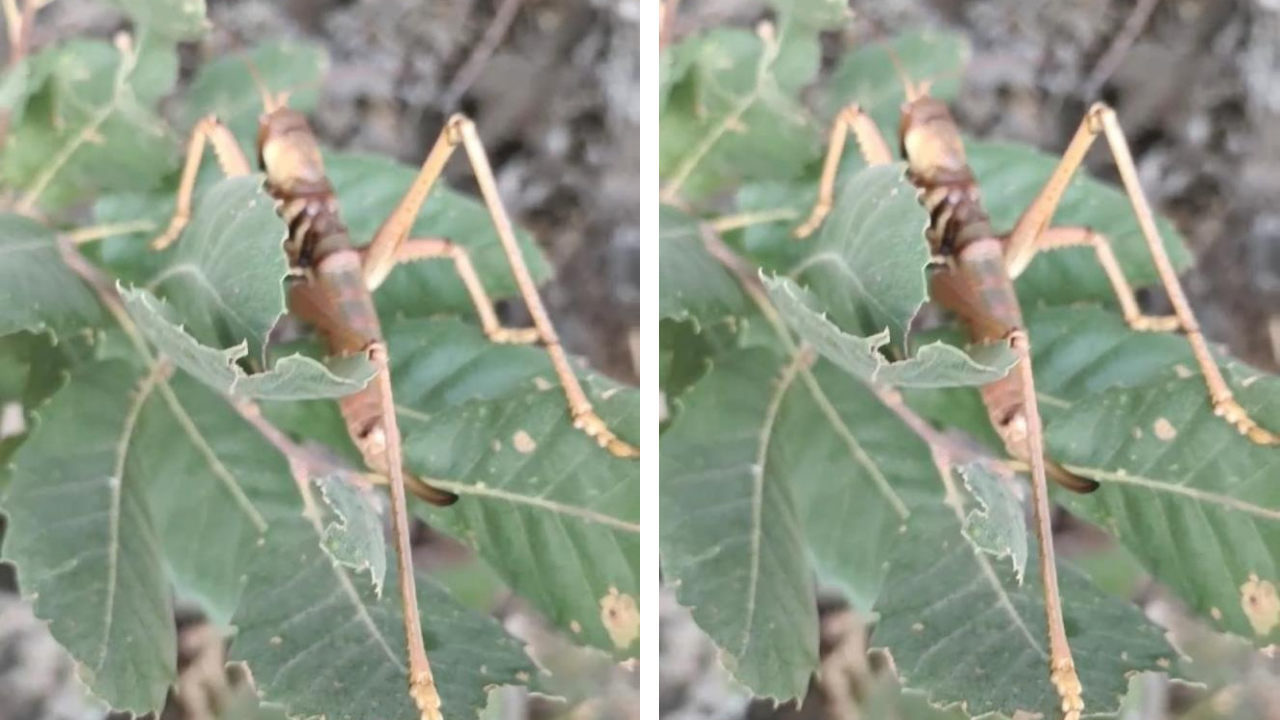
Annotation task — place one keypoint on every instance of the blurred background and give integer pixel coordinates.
(1196, 84)
(553, 86)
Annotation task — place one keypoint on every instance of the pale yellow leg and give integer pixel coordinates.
(1064, 237)
(1025, 239)
(382, 255)
(230, 158)
(874, 150)
(416, 249)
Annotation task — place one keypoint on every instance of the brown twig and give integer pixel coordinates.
(480, 54)
(667, 22)
(1120, 46)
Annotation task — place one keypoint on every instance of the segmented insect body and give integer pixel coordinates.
(330, 290)
(974, 282)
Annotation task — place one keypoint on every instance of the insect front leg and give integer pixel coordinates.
(1026, 238)
(230, 158)
(383, 252)
(851, 121)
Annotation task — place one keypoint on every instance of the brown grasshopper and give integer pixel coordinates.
(973, 278)
(332, 289)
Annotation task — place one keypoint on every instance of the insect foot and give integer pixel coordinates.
(422, 688)
(514, 336)
(1063, 675)
(1155, 323)
(1231, 411)
(591, 424)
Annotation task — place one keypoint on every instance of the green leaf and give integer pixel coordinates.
(1011, 175)
(178, 20)
(1188, 495)
(33, 366)
(37, 290)
(870, 77)
(996, 525)
(733, 116)
(226, 88)
(934, 365)
(1079, 351)
(319, 641)
(353, 538)
(963, 630)
(443, 362)
(16, 87)
(225, 277)
(90, 128)
(85, 541)
(685, 353)
(773, 245)
(554, 514)
(857, 473)
(209, 473)
(692, 283)
(294, 377)
(731, 540)
(814, 14)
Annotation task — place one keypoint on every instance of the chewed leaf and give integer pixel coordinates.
(962, 629)
(295, 377)
(225, 278)
(866, 268)
(354, 537)
(996, 524)
(934, 365)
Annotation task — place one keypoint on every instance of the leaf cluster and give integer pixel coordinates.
(142, 476)
(789, 464)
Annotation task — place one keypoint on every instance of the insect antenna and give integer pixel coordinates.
(270, 103)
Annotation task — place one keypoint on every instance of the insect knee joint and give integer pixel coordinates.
(377, 352)
(1099, 112)
(456, 128)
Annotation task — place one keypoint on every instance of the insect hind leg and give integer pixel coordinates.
(1027, 237)
(382, 252)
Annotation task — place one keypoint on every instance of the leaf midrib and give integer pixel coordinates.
(116, 485)
(1204, 496)
(784, 383)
